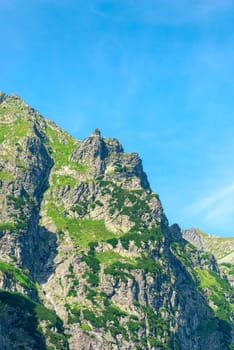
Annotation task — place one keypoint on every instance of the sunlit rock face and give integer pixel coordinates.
(87, 257)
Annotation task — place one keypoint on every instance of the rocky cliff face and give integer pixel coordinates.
(86, 249)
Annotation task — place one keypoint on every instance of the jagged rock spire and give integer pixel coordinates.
(96, 132)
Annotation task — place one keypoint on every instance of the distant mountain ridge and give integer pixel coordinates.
(87, 258)
(221, 247)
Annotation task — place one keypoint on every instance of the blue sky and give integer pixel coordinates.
(157, 74)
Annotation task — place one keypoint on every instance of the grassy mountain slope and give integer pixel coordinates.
(221, 247)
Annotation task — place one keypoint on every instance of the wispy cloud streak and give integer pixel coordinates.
(216, 209)
(208, 202)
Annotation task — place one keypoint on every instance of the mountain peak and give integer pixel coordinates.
(96, 132)
(13, 101)
(12, 96)
(82, 233)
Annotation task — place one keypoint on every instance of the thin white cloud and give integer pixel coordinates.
(211, 203)
(221, 216)
(214, 212)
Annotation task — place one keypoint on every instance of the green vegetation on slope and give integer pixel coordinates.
(7, 226)
(6, 175)
(216, 288)
(109, 257)
(17, 275)
(61, 146)
(13, 131)
(82, 232)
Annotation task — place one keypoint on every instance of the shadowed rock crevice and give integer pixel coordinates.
(19, 324)
(45, 251)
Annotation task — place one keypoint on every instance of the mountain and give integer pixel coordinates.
(87, 258)
(221, 247)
